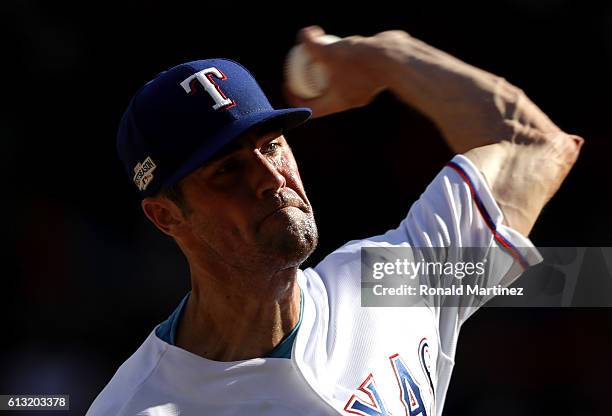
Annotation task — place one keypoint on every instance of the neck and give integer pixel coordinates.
(224, 321)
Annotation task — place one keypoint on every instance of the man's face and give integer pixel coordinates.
(247, 208)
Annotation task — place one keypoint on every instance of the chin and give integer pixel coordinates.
(291, 244)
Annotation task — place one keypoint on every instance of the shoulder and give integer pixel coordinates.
(129, 378)
(456, 208)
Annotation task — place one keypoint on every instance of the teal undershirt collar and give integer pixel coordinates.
(166, 331)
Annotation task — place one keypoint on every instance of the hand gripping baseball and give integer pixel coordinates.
(351, 79)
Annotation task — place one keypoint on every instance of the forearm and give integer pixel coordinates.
(522, 154)
(471, 107)
(529, 156)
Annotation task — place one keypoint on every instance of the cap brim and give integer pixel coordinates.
(283, 119)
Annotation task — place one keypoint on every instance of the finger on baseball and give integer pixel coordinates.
(310, 33)
(309, 37)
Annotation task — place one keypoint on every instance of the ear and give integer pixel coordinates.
(164, 214)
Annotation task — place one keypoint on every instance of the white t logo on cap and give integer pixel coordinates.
(205, 78)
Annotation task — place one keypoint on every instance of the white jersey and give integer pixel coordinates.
(346, 359)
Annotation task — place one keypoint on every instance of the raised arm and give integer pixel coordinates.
(522, 154)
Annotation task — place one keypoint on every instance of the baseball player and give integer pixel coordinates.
(256, 334)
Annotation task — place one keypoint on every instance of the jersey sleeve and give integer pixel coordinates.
(456, 211)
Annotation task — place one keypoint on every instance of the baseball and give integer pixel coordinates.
(305, 78)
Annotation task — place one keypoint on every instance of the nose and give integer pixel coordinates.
(266, 176)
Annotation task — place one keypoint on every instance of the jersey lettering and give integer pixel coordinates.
(376, 407)
(425, 359)
(410, 394)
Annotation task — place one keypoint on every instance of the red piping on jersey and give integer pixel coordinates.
(487, 218)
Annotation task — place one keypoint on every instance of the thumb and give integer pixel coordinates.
(310, 37)
(309, 33)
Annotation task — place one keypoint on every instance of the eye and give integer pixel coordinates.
(270, 147)
(228, 166)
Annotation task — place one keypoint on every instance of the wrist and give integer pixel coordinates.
(381, 55)
(397, 55)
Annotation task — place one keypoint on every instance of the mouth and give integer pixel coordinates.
(284, 208)
(284, 205)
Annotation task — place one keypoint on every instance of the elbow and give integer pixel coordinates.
(561, 153)
(570, 146)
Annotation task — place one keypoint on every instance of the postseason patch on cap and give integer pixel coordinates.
(143, 173)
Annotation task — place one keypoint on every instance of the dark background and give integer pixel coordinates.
(87, 278)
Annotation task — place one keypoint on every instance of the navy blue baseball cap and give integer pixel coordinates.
(179, 120)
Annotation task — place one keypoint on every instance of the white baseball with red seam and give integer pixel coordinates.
(305, 78)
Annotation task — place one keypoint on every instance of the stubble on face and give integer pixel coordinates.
(289, 234)
(264, 236)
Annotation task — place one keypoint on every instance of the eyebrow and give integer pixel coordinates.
(241, 143)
